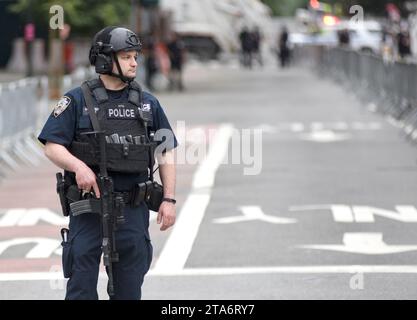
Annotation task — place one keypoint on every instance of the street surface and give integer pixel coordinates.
(291, 189)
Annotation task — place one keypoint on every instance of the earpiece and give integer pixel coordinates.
(102, 62)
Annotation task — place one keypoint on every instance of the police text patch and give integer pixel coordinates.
(121, 112)
(62, 104)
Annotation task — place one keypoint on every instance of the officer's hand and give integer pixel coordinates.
(166, 215)
(86, 179)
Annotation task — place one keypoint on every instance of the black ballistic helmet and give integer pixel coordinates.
(106, 43)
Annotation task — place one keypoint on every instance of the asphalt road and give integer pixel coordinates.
(316, 199)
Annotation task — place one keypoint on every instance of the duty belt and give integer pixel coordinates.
(139, 193)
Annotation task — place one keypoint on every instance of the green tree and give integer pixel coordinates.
(285, 7)
(84, 16)
(371, 7)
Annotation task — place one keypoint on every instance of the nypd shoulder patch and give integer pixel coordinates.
(62, 104)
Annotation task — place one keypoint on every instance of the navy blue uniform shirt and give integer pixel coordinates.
(61, 128)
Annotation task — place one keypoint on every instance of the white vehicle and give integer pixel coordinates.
(365, 36)
(211, 27)
(325, 38)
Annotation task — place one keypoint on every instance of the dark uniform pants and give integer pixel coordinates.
(82, 253)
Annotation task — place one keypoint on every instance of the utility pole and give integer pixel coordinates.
(134, 16)
(55, 71)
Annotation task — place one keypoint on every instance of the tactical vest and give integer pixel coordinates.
(128, 147)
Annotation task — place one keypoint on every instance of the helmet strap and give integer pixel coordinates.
(120, 75)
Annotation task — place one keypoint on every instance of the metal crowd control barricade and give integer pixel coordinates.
(409, 118)
(22, 104)
(389, 86)
(24, 108)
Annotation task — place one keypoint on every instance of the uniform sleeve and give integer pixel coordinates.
(163, 131)
(60, 126)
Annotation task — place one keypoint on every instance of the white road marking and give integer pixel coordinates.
(153, 215)
(293, 270)
(31, 217)
(204, 177)
(179, 244)
(317, 269)
(394, 122)
(363, 243)
(342, 213)
(319, 126)
(11, 217)
(367, 214)
(251, 213)
(363, 214)
(44, 247)
(324, 136)
(309, 207)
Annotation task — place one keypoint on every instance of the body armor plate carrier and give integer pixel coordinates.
(128, 147)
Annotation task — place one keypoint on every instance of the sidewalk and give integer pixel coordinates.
(6, 76)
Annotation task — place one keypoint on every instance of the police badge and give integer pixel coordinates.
(62, 104)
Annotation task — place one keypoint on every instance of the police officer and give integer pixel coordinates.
(128, 117)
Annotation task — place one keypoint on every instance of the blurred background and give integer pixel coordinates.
(209, 29)
(44, 40)
(329, 86)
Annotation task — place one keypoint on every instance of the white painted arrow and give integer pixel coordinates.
(31, 217)
(364, 243)
(251, 213)
(325, 136)
(363, 214)
(44, 247)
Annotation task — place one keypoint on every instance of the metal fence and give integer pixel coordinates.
(389, 86)
(23, 104)
(24, 108)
